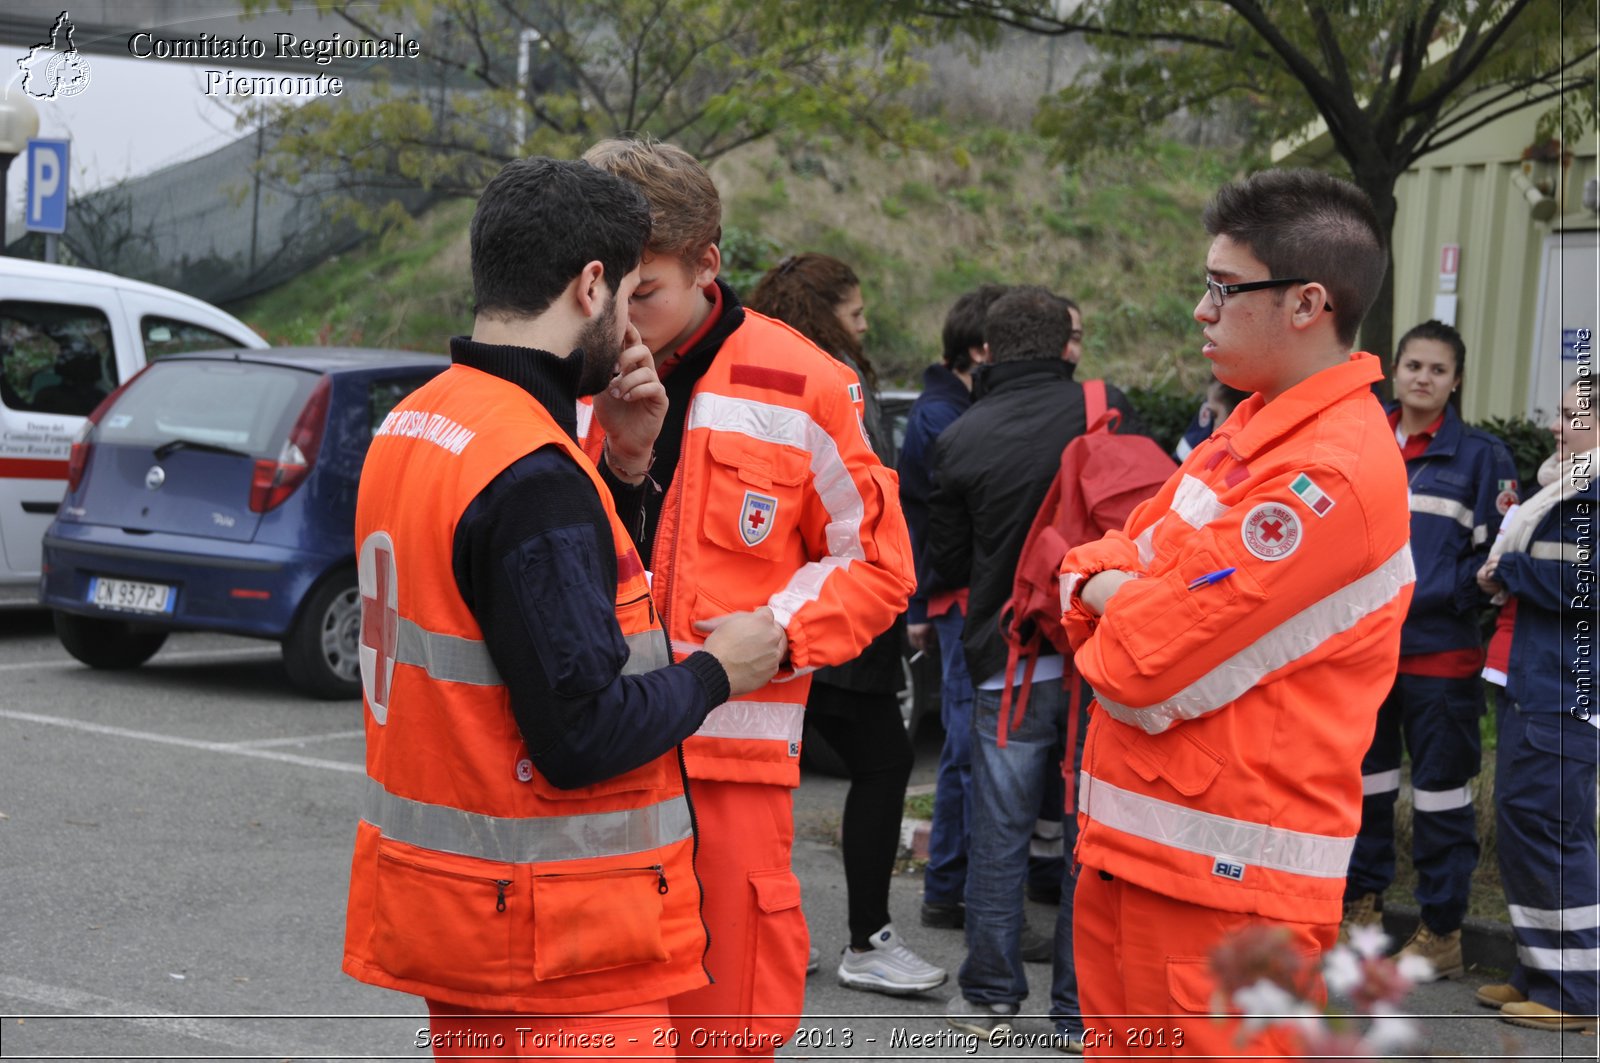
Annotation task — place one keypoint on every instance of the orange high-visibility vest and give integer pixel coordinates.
(475, 880)
(1238, 679)
(777, 500)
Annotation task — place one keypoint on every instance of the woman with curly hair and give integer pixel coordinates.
(853, 706)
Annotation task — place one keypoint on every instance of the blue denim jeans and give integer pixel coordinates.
(944, 881)
(1006, 788)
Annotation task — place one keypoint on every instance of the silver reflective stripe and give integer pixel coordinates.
(1441, 800)
(684, 647)
(445, 657)
(1302, 634)
(1196, 503)
(1382, 782)
(647, 651)
(778, 721)
(1145, 543)
(1583, 917)
(830, 478)
(1251, 844)
(1442, 507)
(1559, 959)
(526, 841)
(1571, 553)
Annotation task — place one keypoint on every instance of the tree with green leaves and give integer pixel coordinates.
(498, 79)
(1391, 80)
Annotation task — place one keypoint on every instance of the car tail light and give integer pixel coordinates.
(78, 459)
(275, 481)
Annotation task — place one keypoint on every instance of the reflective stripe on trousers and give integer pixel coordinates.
(532, 840)
(1211, 835)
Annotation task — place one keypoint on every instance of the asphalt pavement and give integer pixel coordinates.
(174, 854)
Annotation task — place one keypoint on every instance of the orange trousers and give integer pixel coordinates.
(1144, 978)
(759, 941)
(640, 1030)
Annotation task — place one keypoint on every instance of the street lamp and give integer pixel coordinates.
(19, 123)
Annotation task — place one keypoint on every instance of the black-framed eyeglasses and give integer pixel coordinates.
(1220, 292)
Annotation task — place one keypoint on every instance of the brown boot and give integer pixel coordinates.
(1359, 911)
(1443, 951)
(1538, 1017)
(1498, 994)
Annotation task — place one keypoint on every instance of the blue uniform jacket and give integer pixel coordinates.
(1460, 488)
(1553, 642)
(944, 398)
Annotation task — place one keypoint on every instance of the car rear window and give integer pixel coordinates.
(239, 405)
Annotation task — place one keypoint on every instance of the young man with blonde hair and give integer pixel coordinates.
(769, 496)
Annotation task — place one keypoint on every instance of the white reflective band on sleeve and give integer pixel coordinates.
(526, 841)
(1559, 959)
(830, 478)
(585, 419)
(1383, 782)
(1196, 503)
(1296, 637)
(1251, 844)
(1571, 553)
(778, 721)
(683, 647)
(447, 658)
(1146, 541)
(647, 651)
(1583, 917)
(1441, 800)
(803, 588)
(1443, 507)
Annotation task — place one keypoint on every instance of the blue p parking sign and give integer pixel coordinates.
(47, 185)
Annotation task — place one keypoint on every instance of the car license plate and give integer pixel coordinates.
(130, 595)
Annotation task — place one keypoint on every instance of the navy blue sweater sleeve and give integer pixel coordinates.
(927, 420)
(535, 562)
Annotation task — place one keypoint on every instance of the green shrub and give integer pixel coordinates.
(1530, 444)
(746, 255)
(1166, 410)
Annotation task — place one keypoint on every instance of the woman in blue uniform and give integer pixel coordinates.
(1543, 570)
(1462, 481)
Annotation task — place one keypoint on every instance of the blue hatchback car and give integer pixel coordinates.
(216, 491)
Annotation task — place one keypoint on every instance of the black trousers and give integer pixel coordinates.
(865, 729)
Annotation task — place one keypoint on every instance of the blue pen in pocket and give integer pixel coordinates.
(1209, 578)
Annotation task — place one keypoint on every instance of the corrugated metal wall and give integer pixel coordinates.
(1464, 195)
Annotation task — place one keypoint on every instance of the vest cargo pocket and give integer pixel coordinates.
(597, 921)
(444, 920)
(776, 980)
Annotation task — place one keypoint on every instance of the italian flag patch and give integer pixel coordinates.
(1311, 495)
(855, 392)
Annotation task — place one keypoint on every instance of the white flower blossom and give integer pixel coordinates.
(1342, 970)
(1391, 1031)
(1266, 1004)
(1370, 942)
(1415, 969)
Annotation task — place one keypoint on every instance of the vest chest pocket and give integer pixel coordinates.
(753, 494)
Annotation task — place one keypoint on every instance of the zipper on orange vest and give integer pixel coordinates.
(645, 597)
(499, 884)
(694, 859)
(661, 874)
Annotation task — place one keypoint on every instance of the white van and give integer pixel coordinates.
(68, 338)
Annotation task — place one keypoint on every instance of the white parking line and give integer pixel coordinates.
(219, 1033)
(187, 743)
(268, 743)
(160, 658)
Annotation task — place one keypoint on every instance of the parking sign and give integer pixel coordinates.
(47, 185)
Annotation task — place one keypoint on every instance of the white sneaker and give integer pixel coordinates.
(813, 961)
(888, 967)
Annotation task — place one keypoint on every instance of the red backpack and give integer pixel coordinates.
(1102, 477)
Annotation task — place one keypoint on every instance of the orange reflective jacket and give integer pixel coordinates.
(777, 500)
(1238, 679)
(475, 881)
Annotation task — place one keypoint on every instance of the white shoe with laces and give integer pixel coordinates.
(889, 967)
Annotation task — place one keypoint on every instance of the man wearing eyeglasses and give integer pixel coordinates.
(1240, 634)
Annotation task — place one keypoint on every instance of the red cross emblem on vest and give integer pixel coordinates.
(380, 621)
(1271, 531)
(755, 517)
